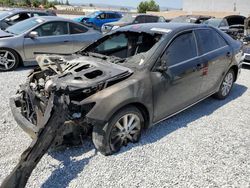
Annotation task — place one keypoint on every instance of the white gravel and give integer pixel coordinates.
(207, 145)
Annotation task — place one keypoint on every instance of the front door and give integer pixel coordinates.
(180, 85)
(53, 37)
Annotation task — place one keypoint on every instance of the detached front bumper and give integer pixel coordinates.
(31, 129)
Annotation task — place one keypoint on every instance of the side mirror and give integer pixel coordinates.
(98, 17)
(33, 34)
(163, 66)
(136, 22)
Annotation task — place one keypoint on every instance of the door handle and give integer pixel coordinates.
(66, 41)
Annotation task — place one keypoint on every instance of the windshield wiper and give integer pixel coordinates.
(9, 32)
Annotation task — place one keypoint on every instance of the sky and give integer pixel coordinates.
(132, 3)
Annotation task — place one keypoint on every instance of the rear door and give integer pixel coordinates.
(216, 56)
(180, 85)
(53, 37)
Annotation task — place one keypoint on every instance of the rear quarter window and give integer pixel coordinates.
(209, 40)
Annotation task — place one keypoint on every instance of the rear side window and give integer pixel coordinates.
(111, 16)
(76, 29)
(151, 19)
(181, 49)
(140, 19)
(209, 40)
(40, 14)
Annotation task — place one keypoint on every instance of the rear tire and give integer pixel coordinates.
(9, 59)
(226, 85)
(124, 126)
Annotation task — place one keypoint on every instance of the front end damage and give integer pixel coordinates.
(50, 106)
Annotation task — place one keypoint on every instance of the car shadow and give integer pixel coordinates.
(62, 176)
(70, 165)
(181, 120)
(246, 67)
(22, 68)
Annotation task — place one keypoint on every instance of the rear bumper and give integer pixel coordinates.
(27, 126)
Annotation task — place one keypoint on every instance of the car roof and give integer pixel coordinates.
(26, 10)
(163, 28)
(52, 18)
(107, 11)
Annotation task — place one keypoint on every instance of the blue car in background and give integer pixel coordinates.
(98, 18)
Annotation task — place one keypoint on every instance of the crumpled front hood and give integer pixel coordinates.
(79, 72)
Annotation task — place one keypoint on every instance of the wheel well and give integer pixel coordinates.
(143, 110)
(235, 69)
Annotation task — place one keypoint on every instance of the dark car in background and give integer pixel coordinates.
(11, 17)
(232, 25)
(98, 18)
(130, 19)
(197, 19)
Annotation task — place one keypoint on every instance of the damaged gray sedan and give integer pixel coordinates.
(123, 83)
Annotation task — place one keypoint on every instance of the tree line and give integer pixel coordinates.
(33, 3)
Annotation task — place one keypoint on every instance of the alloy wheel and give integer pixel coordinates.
(7, 60)
(227, 84)
(126, 129)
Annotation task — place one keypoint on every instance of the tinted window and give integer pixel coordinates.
(140, 19)
(40, 14)
(19, 17)
(76, 29)
(151, 19)
(209, 40)
(102, 16)
(111, 16)
(223, 23)
(52, 28)
(181, 49)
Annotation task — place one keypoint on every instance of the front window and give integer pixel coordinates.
(24, 26)
(52, 29)
(213, 22)
(93, 15)
(185, 45)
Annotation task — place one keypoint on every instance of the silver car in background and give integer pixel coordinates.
(48, 34)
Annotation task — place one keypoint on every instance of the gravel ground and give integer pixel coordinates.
(207, 145)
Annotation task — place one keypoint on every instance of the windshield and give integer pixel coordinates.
(93, 15)
(24, 26)
(213, 22)
(181, 19)
(128, 18)
(123, 45)
(4, 14)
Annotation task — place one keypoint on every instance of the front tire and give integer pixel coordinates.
(9, 60)
(124, 127)
(226, 85)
